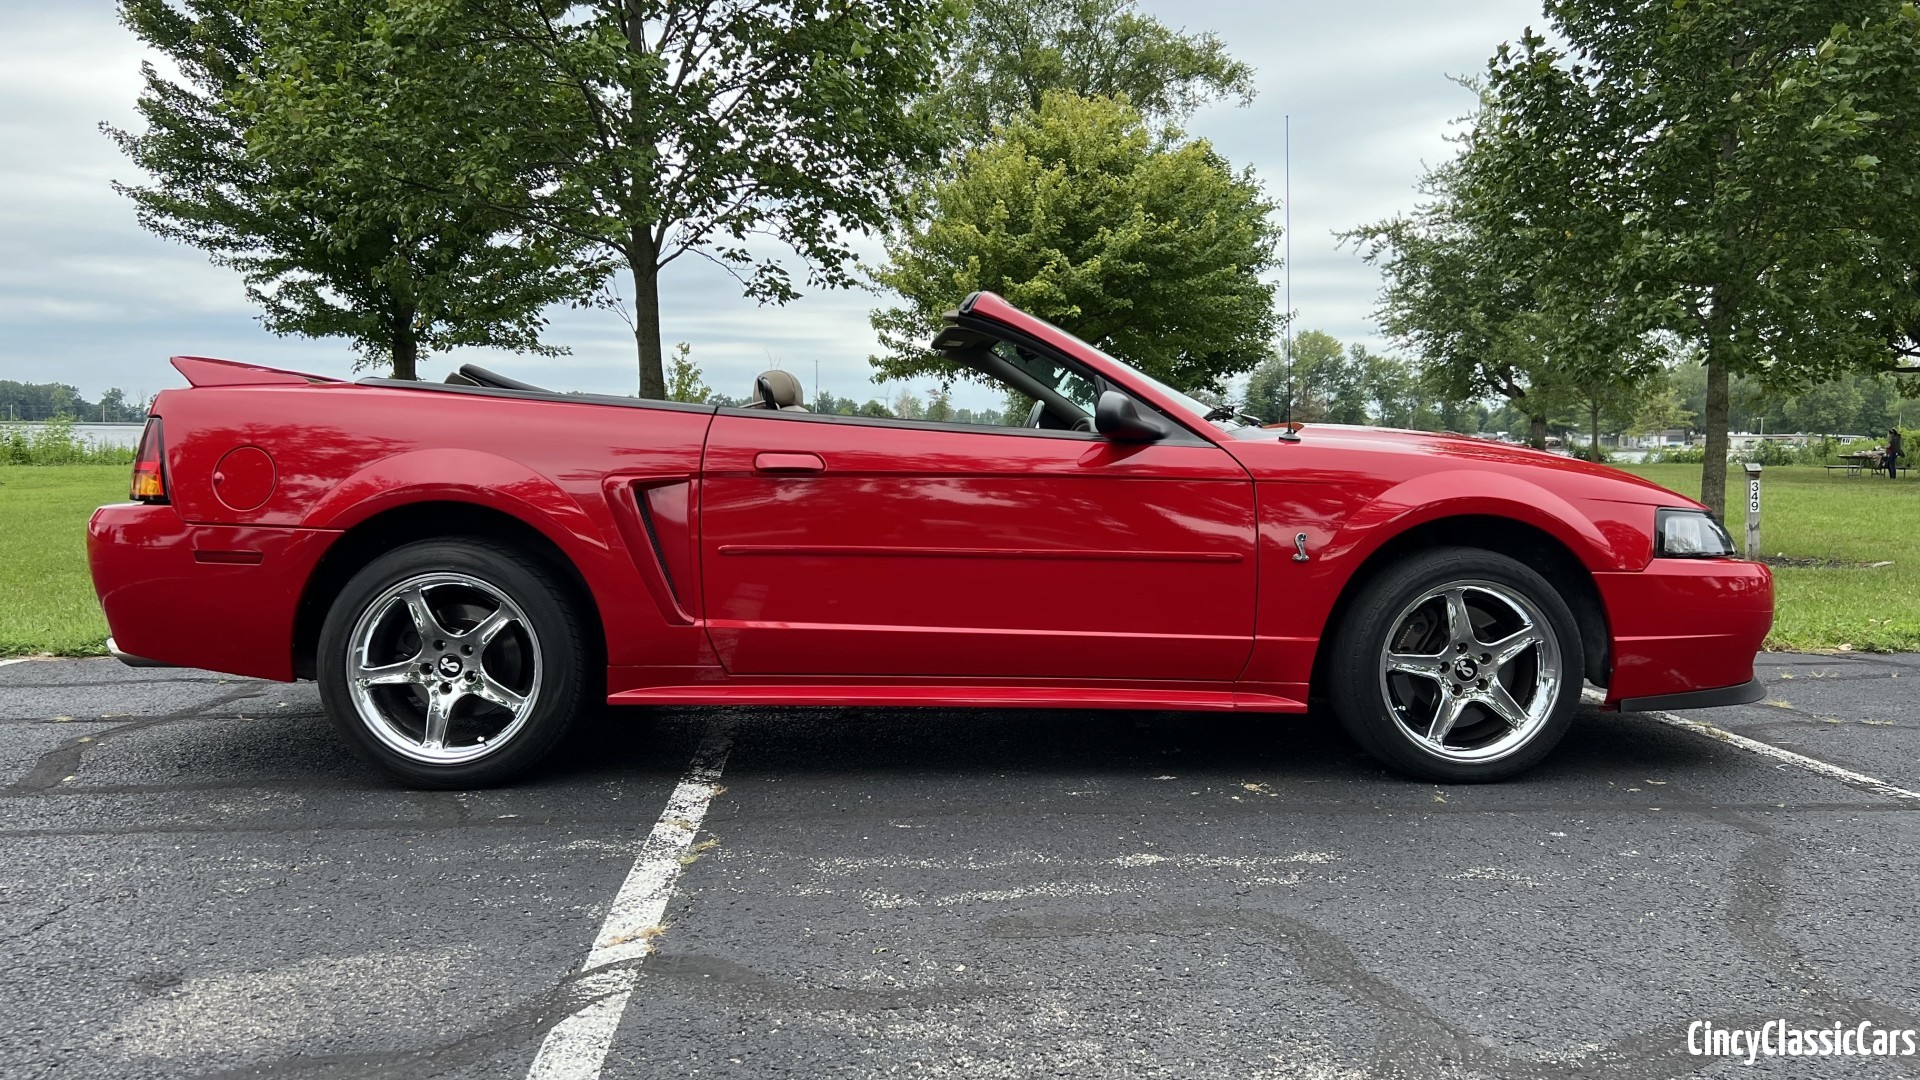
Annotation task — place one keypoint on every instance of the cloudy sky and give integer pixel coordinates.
(89, 298)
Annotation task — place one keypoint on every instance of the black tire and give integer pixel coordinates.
(538, 656)
(1392, 715)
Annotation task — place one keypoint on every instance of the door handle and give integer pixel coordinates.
(771, 461)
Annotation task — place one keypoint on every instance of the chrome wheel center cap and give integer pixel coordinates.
(1466, 670)
(449, 666)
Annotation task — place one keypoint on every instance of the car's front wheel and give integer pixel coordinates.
(452, 663)
(1457, 665)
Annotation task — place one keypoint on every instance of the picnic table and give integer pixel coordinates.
(1854, 462)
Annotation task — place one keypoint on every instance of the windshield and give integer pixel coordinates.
(1064, 380)
(1198, 409)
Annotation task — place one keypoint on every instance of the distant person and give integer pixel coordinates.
(1894, 451)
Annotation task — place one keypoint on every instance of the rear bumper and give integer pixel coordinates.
(203, 596)
(131, 660)
(1685, 627)
(1744, 694)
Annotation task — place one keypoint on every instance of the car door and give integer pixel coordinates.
(858, 547)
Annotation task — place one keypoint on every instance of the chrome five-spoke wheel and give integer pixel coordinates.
(1456, 664)
(1470, 670)
(454, 663)
(444, 668)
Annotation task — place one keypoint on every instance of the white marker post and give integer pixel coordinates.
(1753, 510)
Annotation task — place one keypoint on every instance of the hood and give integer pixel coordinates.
(1325, 451)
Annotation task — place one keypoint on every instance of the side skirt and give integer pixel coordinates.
(969, 696)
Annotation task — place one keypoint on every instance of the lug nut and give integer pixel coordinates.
(466, 650)
(439, 644)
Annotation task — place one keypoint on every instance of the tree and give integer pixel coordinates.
(906, 405)
(1010, 53)
(680, 127)
(1477, 278)
(1391, 387)
(242, 155)
(1332, 383)
(1147, 245)
(940, 403)
(1748, 176)
(1468, 318)
(1318, 377)
(825, 402)
(684, 381)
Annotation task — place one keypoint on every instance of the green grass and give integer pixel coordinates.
(46, 597)
(47, 603)
(1809, 513)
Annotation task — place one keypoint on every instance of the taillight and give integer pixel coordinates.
(149, 465)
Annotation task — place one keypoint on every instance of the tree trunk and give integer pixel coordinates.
(1593, 429)
(646, 322)
(1713, 471)
(1537, 430)
(405, 345)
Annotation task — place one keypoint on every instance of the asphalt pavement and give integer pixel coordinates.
(197, 880)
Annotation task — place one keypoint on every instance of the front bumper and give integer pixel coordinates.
(1685, 627)
(219, 597)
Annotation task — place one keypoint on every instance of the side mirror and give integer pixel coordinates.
(1119, 419)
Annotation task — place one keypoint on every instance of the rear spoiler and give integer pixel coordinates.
(206, 371)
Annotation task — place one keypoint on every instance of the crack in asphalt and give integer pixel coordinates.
(63, 761)
(49, 918)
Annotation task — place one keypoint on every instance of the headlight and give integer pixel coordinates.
(1690, 534)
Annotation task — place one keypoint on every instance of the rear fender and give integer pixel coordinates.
(484, 479)
(580, 532)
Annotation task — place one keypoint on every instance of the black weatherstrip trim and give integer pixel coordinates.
(539, 395)
(913, 425)
(1744, 694)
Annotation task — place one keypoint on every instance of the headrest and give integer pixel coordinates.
(776, 390)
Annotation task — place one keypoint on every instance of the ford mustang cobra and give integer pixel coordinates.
(464, 567)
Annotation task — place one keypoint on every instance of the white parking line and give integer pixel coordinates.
(576, 1047)
(17, 660)
(1833, 772)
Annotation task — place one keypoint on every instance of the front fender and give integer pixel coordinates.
(1470, 492)
(1343, 528)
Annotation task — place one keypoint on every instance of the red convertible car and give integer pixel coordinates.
(465, 567)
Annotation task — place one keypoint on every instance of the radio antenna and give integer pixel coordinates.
(1287, 432)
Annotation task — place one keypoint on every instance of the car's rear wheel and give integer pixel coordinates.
(452, 663)
(1457, 665)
